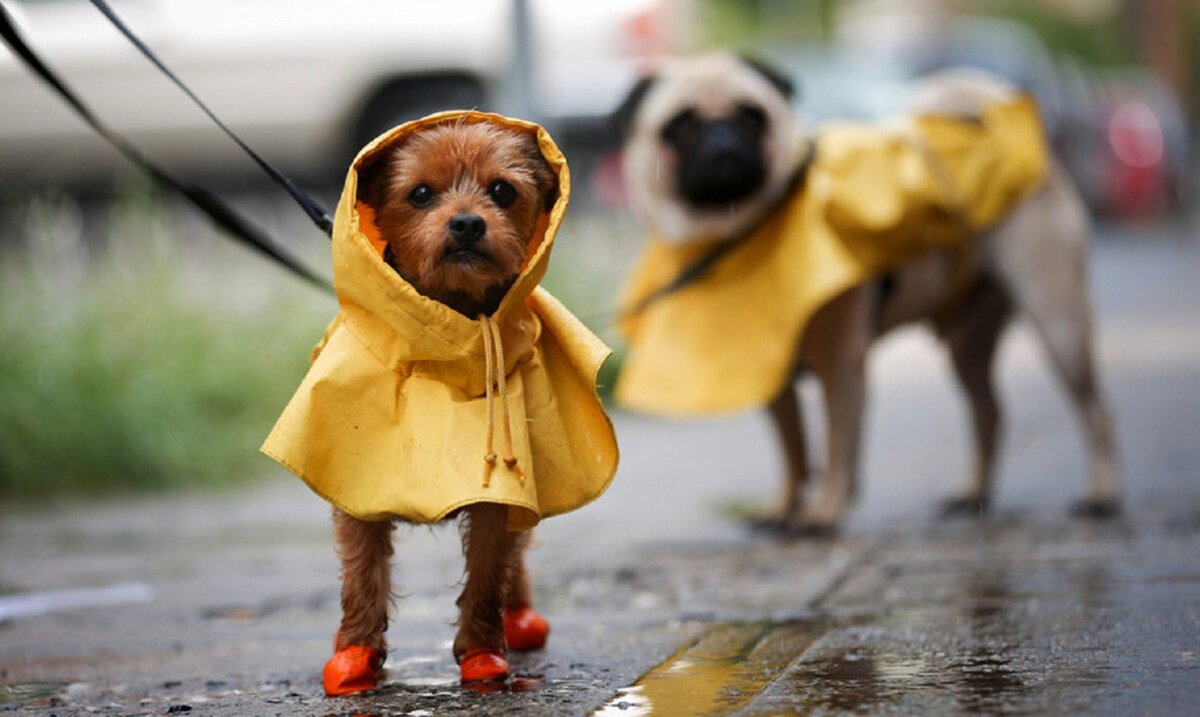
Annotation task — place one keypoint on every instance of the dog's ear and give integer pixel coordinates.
(778, 78)
(372, 180)
(550, 196)
(621, 120)
(547, 184)
(543, 174)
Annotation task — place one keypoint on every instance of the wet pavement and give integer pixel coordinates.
(660, 601)
(1010, 618)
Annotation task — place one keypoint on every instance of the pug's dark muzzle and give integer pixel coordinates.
(722, 167)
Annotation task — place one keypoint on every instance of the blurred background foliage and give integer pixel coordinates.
(1099, 32)
(154, 357)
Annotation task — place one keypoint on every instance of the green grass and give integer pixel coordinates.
(158, 361)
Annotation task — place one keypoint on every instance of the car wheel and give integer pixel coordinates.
(411, 98)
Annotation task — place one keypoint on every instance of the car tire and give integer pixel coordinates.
(411, 98)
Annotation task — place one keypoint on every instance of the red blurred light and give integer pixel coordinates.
(1135, 134)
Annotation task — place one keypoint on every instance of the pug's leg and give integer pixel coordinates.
(1040, 253)
(836, 350)
(972, 335)
(787, 417)
(1065, 331)
(491, 551)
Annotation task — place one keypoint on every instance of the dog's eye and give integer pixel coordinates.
(502, 193)
(421, 196)
(682, 126)
(751, 117)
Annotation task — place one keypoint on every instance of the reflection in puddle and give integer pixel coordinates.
(429, 672)
(429, 681)
(516, 684)
(435, 692)
(25, 605)
(976, 682)
(847, 682)
(861, 679)
(986, 681)
(962, 657)
(30, 691)
(725, 668)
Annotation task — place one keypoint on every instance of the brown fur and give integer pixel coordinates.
(459, 161)
(495, 571)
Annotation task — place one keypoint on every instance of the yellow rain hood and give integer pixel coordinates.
(872, 197)
(391, 420)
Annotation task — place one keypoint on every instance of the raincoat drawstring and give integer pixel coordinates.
(494, 378)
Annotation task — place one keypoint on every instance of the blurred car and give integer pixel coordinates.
(1123, 139)
(835, 83)
(305, 83)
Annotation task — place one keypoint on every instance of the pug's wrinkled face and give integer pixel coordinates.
(711, 143)
(719, 158)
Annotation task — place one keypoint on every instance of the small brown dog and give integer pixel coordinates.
(449, 383)
(457, 206)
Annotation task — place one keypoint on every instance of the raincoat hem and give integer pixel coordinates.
(408, 518)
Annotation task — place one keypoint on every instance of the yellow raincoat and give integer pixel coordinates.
(872, 197)
(392, 419)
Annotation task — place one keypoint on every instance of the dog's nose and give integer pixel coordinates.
(467, 228)
(723, 144)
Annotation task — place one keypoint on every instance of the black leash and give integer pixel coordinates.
(310, 206)
(222, 214)
(698, 268)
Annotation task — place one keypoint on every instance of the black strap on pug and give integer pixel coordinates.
(698, 268)
(221, 213)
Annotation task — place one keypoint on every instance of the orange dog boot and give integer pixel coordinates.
(525, 629)
(352, 669)
(481, 664)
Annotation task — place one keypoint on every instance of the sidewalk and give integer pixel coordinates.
(1029, 614)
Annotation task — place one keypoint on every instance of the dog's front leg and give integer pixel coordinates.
(491, 552)
(365, 549)
(835, 348)
(845, 391)
(787, 417)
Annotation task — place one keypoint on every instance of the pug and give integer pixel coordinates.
(713, 150)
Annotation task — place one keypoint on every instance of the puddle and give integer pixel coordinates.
(30, 692)
(965, 656)
(515, 684)
(26, 605)
(862, 679)
(722, 670)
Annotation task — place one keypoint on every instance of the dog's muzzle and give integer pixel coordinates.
(723, 167)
